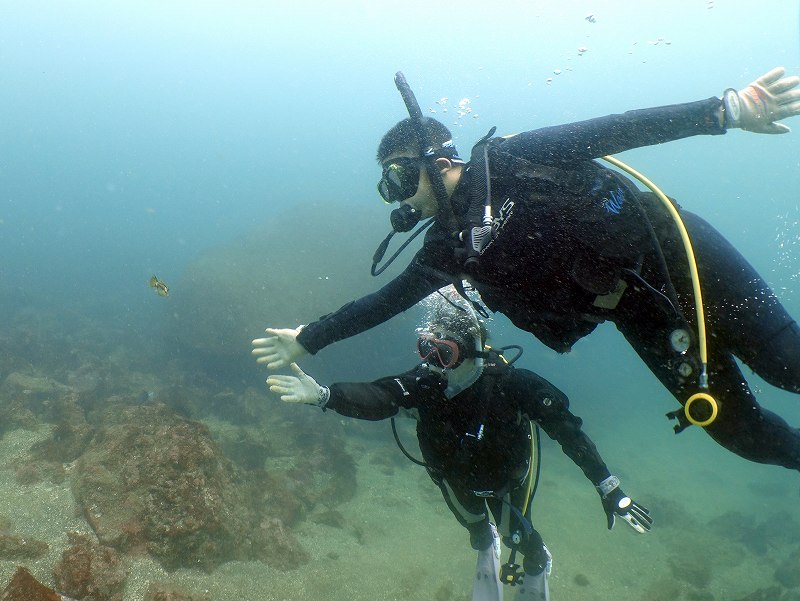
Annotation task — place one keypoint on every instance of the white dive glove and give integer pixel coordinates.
(299, 388)
(769, 98)
(279, 349)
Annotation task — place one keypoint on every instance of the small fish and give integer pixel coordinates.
(161, 288)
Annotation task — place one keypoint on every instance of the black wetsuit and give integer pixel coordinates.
(571, 234)
(480, 440)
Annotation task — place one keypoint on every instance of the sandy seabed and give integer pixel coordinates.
(399, 541)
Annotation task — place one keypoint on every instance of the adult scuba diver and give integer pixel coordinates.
(559, 243)
(477, 419)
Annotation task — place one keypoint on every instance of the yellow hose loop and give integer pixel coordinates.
(531, 468)
(704, 397)
(687, 244)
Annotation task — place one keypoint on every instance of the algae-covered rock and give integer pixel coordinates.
(90, 571)
(154, 481)
(14, 547)
(24, 587)
(33, 385)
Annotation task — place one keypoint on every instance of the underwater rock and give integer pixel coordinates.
(87, 379)
(24, 587)
(154, 481)
(14, 547)
(90, 571)
(15, 415)
(31, 385)
(27, 398)
(48, 458)
(282, 551)
(70, 436)
(331, 518)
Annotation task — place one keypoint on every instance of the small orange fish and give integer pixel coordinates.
(161, 288)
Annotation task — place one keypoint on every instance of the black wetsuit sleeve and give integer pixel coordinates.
(549, 407)
(411, 286)
(384, 397)
(598, 137)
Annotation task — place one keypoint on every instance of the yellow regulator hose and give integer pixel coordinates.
(698, 298)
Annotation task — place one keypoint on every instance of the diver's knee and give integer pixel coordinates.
(778, 360)
(535, 556)
(481, 536)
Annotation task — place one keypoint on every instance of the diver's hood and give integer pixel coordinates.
(466, 374)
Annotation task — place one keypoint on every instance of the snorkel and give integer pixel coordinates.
(406, 217)
(445, 213)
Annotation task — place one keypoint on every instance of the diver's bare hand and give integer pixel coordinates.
(279, 348)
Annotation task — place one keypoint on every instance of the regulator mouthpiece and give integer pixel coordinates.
(405, 218)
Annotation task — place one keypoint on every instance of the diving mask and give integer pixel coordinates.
(400, 178)
(440, 351)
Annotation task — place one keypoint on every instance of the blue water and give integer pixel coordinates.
(143, 138)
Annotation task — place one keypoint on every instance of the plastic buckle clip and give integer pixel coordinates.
(511, 574)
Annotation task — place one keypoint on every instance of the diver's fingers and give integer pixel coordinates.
(262, 350)
(268, 358)
(283, 333)
(286, 394)
(277, 385)
(276, 363)
(297, 371)
(280, 380)
(770, 77)
(264, 341)
(635, 524)
(784, 85)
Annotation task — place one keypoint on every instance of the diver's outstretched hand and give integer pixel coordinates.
(299, 388)
(617, 504)
(769, 98)
(279, 349)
